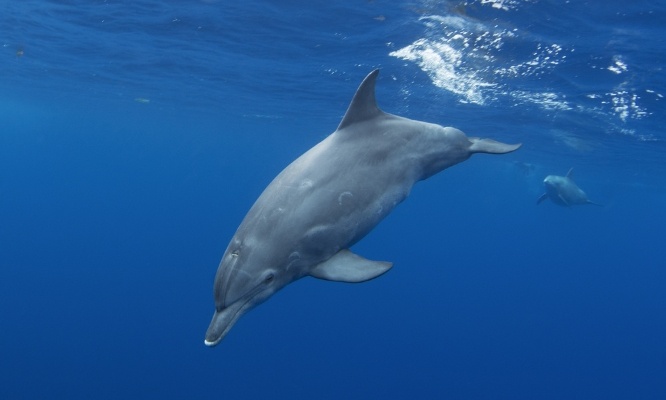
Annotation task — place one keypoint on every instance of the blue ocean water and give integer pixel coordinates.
(134, 137)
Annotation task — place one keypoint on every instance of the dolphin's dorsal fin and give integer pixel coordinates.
(363, 106)
(570, 173)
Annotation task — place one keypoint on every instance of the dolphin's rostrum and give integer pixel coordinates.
(308, 217)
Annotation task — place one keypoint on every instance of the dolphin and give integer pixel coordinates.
(563, 191)
(308, 217)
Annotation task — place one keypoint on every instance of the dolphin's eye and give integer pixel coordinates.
(269, 278)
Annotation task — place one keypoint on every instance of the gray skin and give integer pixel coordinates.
(328, 199)
(563, 191)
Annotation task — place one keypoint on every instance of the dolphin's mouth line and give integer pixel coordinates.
(249, 296)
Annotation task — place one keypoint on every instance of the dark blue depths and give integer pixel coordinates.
(135, 137)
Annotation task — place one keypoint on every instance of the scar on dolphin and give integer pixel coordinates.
(329, 198)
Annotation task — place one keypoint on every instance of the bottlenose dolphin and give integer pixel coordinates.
(308, 217)
(563, 191)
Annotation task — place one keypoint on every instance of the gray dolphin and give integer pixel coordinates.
(328, 199)
(563, 191)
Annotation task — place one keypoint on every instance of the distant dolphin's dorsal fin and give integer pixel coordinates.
(363, 106)
(570, 173)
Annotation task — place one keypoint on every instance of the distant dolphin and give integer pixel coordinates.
(328, 199)
(563, 191)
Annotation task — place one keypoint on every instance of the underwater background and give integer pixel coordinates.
(134, 137)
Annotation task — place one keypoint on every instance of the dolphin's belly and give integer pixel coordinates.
(574, 195)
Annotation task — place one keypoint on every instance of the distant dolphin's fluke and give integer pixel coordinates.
(328, 199)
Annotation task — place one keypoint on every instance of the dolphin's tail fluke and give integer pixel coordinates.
(491, 146)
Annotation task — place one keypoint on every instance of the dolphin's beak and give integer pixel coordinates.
(224, 319)
(222, 322)
(214, 332)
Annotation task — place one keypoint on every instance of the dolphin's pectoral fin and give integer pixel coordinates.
(491, 146)
(346, 266)
(593, 203)
(542, 198)
(570, 173)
